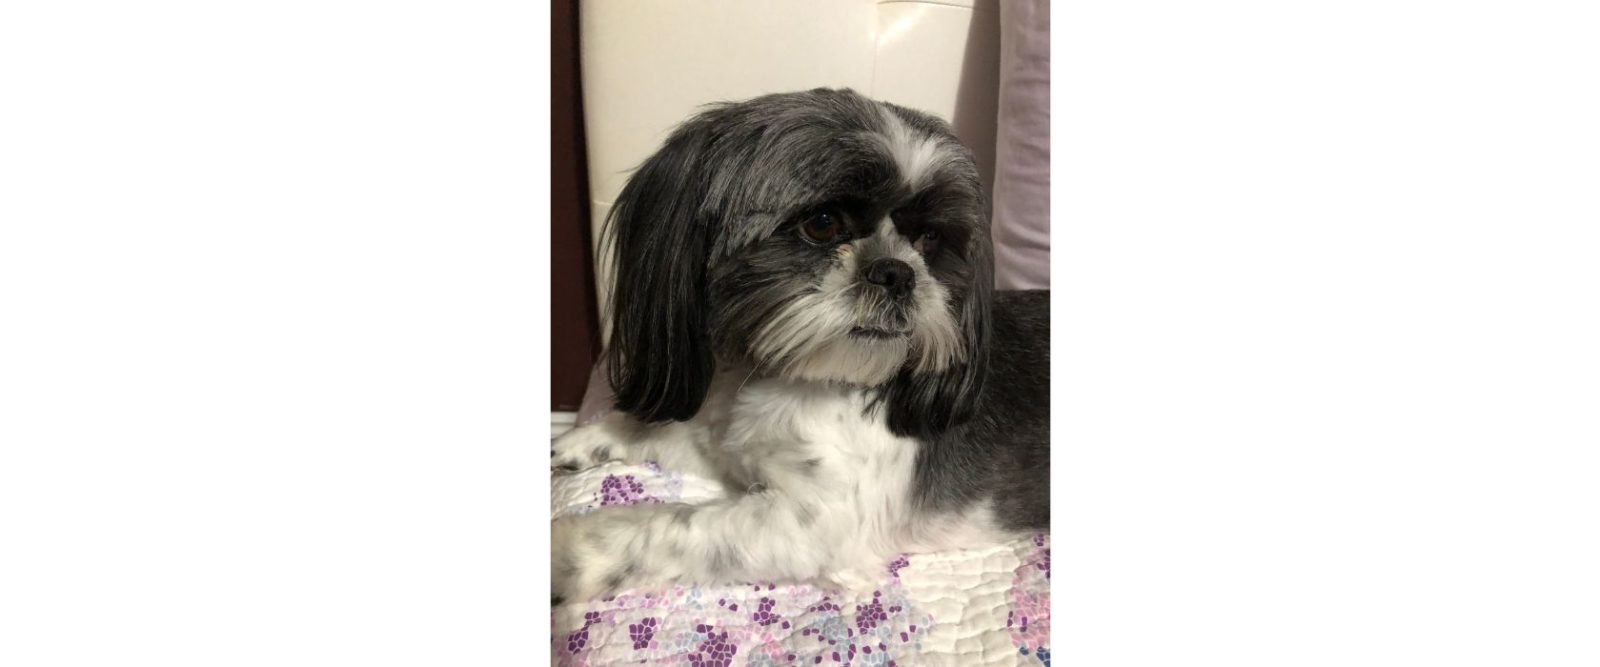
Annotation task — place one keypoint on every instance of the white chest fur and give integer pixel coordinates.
(820, 446)
(819, 485)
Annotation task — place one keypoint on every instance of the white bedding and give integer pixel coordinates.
(970, 608)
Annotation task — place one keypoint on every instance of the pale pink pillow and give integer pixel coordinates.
(1021, 223)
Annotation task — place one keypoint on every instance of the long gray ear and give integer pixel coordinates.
(926, 404)
(659, 356)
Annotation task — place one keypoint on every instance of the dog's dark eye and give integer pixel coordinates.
(927, 242)
(822, 228)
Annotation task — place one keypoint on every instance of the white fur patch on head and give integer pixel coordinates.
(917, 155)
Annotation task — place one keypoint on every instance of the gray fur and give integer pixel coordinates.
(615, 579)
(804, 515)
(706, 229)
(717, 272)
(723, 559)
(1003, 453)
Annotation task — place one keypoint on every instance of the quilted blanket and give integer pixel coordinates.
(968, 608)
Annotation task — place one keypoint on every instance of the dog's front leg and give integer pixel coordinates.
(675, 446)
(760, 537)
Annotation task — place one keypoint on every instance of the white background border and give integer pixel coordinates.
(1327, 312)
(273, 385)
(273, 372)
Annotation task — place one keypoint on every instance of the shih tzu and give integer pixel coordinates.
(803, 308)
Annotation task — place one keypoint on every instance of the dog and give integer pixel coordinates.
(803, 308)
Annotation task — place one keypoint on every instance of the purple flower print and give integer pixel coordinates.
(715, 651)
(868, 617)
(642, 632)
(899, 563)
(764, 614)
(620, 490)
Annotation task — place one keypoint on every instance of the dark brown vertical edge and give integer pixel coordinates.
(574, 323)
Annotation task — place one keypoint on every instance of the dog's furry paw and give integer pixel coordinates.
(586, 560)
(583, 448)
(858, 581)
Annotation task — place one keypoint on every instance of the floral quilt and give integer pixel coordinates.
(967, 608)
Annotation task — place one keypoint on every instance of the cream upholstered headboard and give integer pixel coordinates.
(649, 64)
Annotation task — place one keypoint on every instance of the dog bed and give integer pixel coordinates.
(967, 608)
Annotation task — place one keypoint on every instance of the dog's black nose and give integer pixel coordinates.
(893, 274)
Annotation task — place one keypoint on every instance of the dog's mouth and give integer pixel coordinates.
(877, 334)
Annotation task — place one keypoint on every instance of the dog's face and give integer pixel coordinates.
(851, 260)
(816, 235)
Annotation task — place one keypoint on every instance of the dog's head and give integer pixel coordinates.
(817, 235)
